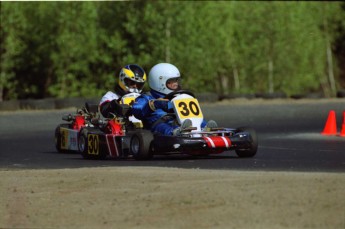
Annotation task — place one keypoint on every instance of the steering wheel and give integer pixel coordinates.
(172, 94)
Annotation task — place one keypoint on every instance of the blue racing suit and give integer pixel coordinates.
(154, 119)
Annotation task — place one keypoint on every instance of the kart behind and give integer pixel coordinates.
(95, 137)
(67, 134)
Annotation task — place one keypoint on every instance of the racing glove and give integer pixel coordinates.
(165, 105)
(120, 109)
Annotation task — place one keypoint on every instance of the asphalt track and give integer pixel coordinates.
(288, 131)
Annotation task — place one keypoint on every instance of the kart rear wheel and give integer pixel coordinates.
(141, 145)
(251, 151)
(93, 153)
(59, 138)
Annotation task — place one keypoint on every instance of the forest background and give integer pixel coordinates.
(76, 49)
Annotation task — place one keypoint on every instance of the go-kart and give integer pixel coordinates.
(194, 140)
(96, 137)
(67, 134)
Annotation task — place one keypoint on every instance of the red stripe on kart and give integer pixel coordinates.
(112, 147)
(218, 142)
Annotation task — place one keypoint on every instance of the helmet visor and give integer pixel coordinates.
(133, 84)
(174, 83)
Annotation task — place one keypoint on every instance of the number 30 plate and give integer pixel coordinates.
(187, 108)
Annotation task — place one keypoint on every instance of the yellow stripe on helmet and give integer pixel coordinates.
(129, 73)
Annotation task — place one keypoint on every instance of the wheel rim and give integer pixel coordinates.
(135, 145)
(82, 144)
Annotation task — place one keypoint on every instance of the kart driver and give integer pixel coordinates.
(131, 79)
(151, 108)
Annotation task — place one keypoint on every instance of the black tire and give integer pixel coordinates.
(141, 145)
(59, 139)
(83, 145)
(252, 150)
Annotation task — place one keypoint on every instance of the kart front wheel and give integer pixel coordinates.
(141, 145)
(253, 147)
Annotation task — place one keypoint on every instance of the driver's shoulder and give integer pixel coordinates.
(109, 96)
(110, 93)
(146, 95)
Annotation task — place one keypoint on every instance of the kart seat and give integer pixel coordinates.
(91, 108)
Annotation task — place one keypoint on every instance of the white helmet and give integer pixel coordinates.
(160, 74)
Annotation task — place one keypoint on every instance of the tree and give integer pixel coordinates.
(68, 49)
(12, 28)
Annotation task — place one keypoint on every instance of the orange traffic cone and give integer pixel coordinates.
(331, 124)
(342, 132)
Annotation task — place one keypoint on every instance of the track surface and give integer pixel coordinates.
(289, 139)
